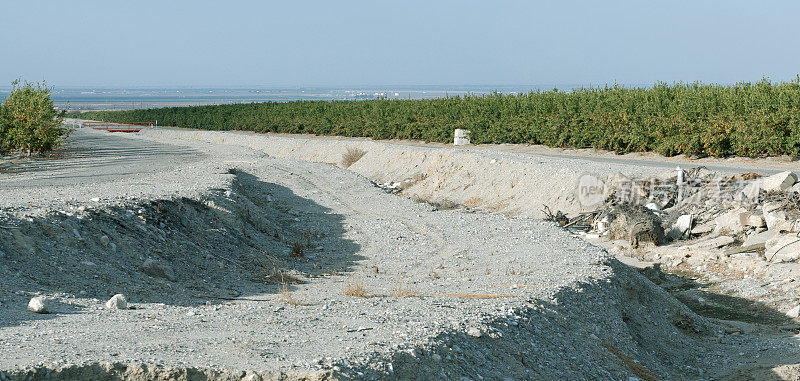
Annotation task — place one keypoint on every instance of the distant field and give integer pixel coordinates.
(745, 119)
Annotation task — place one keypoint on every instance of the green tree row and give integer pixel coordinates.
(745, 119)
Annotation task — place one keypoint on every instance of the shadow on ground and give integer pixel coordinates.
(615, 328)
(250, 240)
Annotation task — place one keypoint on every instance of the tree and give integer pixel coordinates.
(28, 120)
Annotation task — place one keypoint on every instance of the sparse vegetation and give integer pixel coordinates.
(356, 290)
(400, 291)
(351, 156)
(287, 296)
(298, 249)
(478, 296)
(744, 119)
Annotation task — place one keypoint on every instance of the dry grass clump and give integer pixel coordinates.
(351, 156)
(398, 291)
(286, 295)
(298, 249)
(288, 298)
(478, 296)
(357, 290)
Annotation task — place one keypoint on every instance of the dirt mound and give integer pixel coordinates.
(231, 243)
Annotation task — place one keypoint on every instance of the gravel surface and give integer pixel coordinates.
(448, 293)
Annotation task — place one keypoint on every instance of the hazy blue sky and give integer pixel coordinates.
(399, 42)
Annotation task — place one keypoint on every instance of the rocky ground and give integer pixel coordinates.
(244, 257)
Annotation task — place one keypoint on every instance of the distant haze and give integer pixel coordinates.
(293, 44)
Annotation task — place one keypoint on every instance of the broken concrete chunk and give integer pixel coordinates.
(117, 302)
(752, 189)
(759, 238)
(777, 221)
(158, 269)
(713, 243)
(771, 206)
(705, 228)
(751, 219)
(783, 248)
(39, 305)
(780, 182)
(730, 221)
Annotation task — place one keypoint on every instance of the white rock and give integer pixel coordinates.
(39, 305)
(780, 182)
(95, 199)
(795, 188)
(794, 312)
(684, 223)
(474, 332)
(117, 302)
(782, 248)
(652, 206)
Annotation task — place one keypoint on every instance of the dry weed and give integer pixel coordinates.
(298, 249)
(357, 290)
(478, 296)
(351, 156)
(399, 291)
(287, 296)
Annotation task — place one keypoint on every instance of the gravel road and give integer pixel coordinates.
(374, 285)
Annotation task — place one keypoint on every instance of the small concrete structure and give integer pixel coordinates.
(461, 137)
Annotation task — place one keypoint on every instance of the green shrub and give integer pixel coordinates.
(28, 120)
(745, 119)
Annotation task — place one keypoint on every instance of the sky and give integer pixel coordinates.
(197, 43)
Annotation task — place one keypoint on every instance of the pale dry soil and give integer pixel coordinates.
(480, 292)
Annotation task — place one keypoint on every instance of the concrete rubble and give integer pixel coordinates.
(720, 227)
